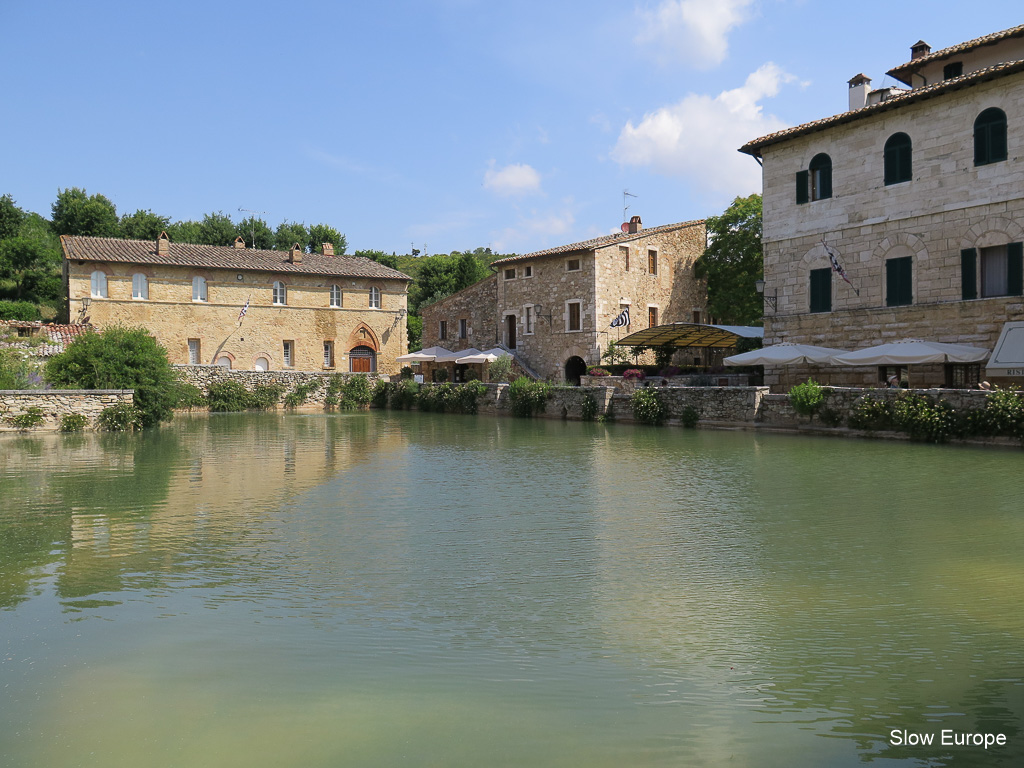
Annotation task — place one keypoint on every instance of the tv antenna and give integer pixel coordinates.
(252, 223)
(625, 193)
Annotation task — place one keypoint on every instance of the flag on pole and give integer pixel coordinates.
(244, 310)
(621, 320)
(836, 266)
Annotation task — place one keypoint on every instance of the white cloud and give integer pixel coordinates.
(697, 138)
(692, 30)
(512, 180)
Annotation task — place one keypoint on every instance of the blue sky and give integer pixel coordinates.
(436, 124)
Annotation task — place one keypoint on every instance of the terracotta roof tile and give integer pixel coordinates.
(598, 242)
(907, 97)
(108, 249)
(903, 71)
(57, 337)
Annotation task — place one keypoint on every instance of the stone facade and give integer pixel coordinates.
(950, 219)
(58, 403)
(202, 376)
(554, 308)
(330, 306)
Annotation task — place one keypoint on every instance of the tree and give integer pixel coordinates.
(733, 262)
(120, 358)
(288, 233)
(217, 229)
(78, 213)
(143, 225)
(184, 232)
(11, 217)
(29, 270)
(469, 270)
(256, 233)
(387, 259)
(322, 233)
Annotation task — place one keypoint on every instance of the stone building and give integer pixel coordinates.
(919, 193)
(554, 308)
(243, 309)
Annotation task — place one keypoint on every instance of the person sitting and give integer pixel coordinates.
(985, 386)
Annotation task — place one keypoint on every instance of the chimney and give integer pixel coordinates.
(328, 249)
(919, 49)
(635, 225)
(860, 87)
(239, 242)
(163, 245)
(295, 254)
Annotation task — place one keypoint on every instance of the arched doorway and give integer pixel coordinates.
(575, 367)
(362, 360)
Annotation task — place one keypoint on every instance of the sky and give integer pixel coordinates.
(439, 125)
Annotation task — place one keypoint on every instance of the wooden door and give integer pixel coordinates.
(510, 322)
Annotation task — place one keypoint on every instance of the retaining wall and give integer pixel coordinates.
(58, 403)
(202, 376)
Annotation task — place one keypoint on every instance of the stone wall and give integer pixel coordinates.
(476, 305)
(202, 376)
(58, 403)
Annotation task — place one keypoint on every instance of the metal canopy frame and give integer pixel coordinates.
(690, 335)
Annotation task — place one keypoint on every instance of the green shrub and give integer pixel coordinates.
(830, 417)
(588, 408)
(354, 392)
(381, 394)
(689, 417)
(406, 372)
(648, 407)
(31, 418)
(121, 417)
(227, 396)
(528, 398)
(188, 396)
(19, 310)
(301, 393)
(467, 397)
(404, 395)
(870, 414)
(923, 420)
(264, 397)
(807, 398)
(73, 422)
(440, 375)
(1003, 414)
(500, 369)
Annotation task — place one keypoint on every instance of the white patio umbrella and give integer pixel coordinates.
(912, 352)
(487, 356)
(451, 357)
(427, 355)
(785, 353)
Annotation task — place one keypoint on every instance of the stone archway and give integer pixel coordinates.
(575, 367)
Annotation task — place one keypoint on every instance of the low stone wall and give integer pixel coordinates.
(692, 380)
(202, 376)
(58, 403)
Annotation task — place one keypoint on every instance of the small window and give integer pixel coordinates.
(821, 290)
(198, 288)
(898, 159)
(652, 317)
(510, 273)
(624, 256)
(1001, 270)
(463, 328)
(99, 284)
(261, 364)
(528, 271)
(963, 375)
(336, 295)
(696, 316)
(195, 356)
(990, 137)
(821, 177)
(280, 295)
(955, 69)
(652, 262)
(528, 318)
(374, 298)
(328, 354)
(572, 265)
(574, 317)
(899, 290)
(224, 362)
(140, 286)
(442, 330)
(25, 333)
(288, 353)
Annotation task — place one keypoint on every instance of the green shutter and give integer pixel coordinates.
(826, 183)
(1015, 269)
(968, 274)
(898, 282)
(906, 162)
(802, 185)
(821, 290)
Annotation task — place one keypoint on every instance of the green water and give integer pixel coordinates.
(416, 590)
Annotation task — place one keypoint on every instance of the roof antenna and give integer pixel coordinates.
(625, 193)
(252, 224)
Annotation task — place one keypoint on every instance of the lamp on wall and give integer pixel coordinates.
(86, 301)
(538, 309)
(773, 300)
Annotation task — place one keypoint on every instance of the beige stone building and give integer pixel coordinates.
(554, 308)
(302, 311)
(919, 192)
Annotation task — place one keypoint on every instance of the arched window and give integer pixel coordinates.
(262, 364)
(198, 288)
(898, 159)
(990, 137)
(374, 298)
(140, 286)
(362, 359)
(99, 284)
(821, 177)
(335, 295)
(280, 296)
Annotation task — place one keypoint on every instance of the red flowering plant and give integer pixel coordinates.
(634, 373)
(597, 372)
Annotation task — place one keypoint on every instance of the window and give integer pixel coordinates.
(463, 328)
(528, 318)
(652, 317)
(955, 69)
(821, 290)
(963, 375)
(624, 255)
(652, 262)
(328, 354)
(821, 177)
(990, 137)
(261, 364)
(528, 271)
(280, 296)
(573, 320)
(696, 316)
(224, 362)
(572, 265)
(195, 356)
(442, 330)
(288, 353)
(198, 288)
(510, 274)
(898, 278)
(1002, 270)
(140, 286)
(99, 284)
(362, 360)
(335, 295)
(898, 159)
(374, 298)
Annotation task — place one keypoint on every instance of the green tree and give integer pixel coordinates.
(29, 270)
(387, 259)
(78, 213)
(288, 233)
(256, 233)
(11, 217)
(469, 269)
(120, 358)
(322, 233)
(184, 232)
(217, 229)
(733, 262)
(142, 225)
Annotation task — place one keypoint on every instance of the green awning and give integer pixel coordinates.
(691, 335)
